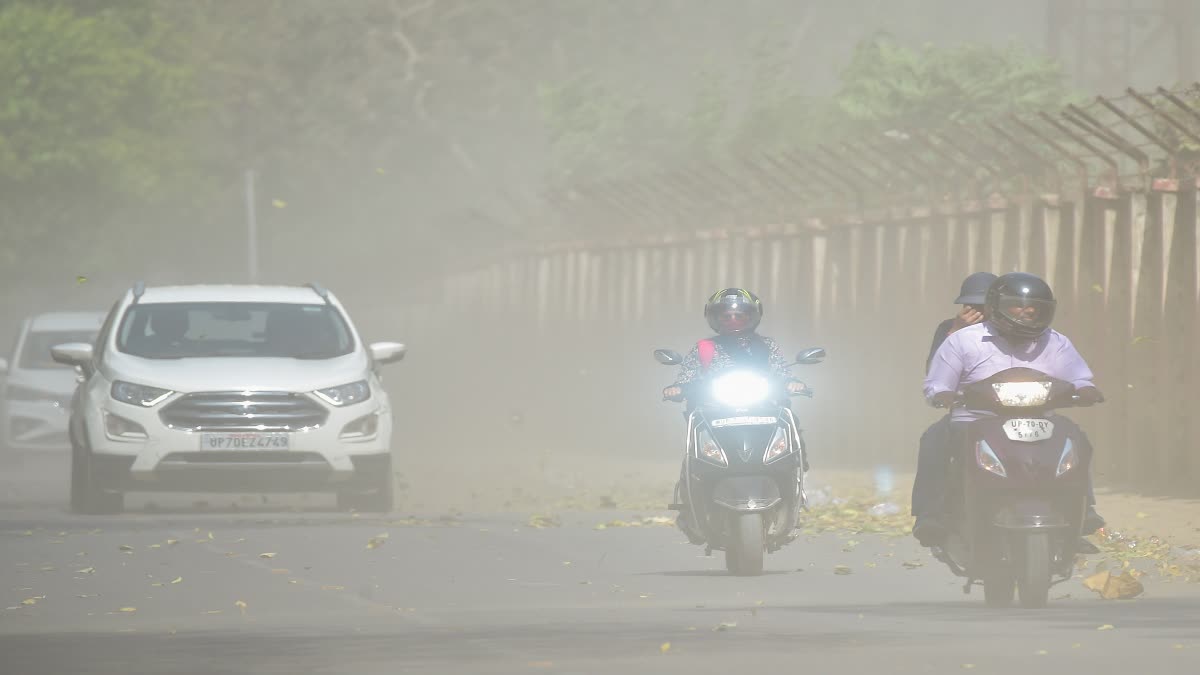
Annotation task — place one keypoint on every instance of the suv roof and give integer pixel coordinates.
(305, 295)
(53, 321)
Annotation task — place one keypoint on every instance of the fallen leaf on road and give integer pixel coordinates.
(126, 547)
(172, 542)
(724, 626)
(177, 580)
(1107, 626)
(333, 588)
(539, 522)
(267, 555)
(842, 569)
(128, 610)
(664, 647)
(29, 602)
(241, 605)
(215, 611)
(1115, 587)
(968, 666)
(912, 564)
(871, 564)
(377, 541)
(1041, 652)
(86, 570)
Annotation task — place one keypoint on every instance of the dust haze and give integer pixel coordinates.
(413, 158)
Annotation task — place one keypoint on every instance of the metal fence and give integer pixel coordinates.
(1099, 199)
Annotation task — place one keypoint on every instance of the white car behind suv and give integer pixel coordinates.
(36, 394)
(230, 389)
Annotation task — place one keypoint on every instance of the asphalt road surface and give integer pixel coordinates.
(261, 590)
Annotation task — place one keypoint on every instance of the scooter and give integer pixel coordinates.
(744, 463)
(1017, 490)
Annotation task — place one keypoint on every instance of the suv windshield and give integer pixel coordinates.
(35, 352)
(234, 329)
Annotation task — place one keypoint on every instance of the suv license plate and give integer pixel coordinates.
(249, 440)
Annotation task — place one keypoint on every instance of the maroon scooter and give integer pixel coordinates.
(1018, 485)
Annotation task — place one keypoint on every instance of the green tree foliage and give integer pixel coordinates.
(762, 105)
(90, 118)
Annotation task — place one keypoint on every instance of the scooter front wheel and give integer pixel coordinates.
(746, 548)
(1033, 570)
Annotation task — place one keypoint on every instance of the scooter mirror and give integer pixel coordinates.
(810, 356)
(667, 357)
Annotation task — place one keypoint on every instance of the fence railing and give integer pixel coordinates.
(1113, 228)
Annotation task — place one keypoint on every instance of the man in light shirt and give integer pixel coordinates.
(1015, 334)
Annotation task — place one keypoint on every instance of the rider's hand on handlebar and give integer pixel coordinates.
(672, 393)
(796, 387)
(1089, 396)
(943, 399)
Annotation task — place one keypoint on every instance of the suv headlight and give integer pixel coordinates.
(346, 394)
(138, 394)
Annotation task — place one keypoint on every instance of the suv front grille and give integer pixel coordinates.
(244, 411)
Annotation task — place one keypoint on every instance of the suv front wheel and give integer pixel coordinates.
(379, 499)
(86, 495)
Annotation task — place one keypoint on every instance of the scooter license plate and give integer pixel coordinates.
(1029, 430)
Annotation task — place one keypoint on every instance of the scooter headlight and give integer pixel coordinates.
(1068, 460)
(707, 449)
(740, 389)
(778, 448)
(988, 461)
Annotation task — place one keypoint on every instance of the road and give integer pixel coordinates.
(173, 589)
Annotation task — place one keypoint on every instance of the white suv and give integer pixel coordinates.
(229, 389)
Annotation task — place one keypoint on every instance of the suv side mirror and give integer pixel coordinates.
(72, 354)
(387, 352)
(810, 356)
(667, 357)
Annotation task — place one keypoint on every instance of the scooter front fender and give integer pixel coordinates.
(747, 494)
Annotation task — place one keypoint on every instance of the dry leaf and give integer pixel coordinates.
(333, 588)
(29, 602)
(1107, 626)
(912, 564)
(377, 541)
(241, 605)
(1115, 587)
(267, 555)
(177, 580)
(125, 547)
(842, 569)
(128, 610)
(86, 570)
(664, 648)
(725, 625)
(539, 522)
(278, 203)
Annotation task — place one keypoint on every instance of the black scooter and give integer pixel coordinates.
(743, 474)
(1017, 490)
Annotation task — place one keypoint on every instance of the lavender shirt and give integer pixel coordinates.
(976, 353)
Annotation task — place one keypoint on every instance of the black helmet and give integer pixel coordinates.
(974, 288)
(733, 300)
(1020, 306)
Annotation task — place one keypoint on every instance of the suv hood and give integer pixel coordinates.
(225, 374)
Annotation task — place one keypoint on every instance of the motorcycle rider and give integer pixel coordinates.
(1018, 311)
(734, 314)
(935, 442)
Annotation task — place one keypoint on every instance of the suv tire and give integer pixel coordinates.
(86, 496)
(380, 499)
